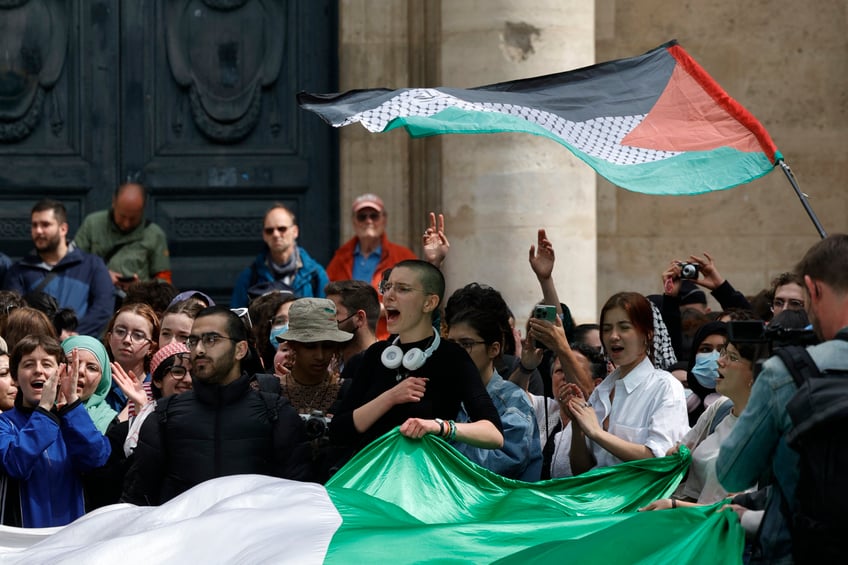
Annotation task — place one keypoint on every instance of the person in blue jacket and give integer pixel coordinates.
(282, 265)
(77, 280)
(47, 440)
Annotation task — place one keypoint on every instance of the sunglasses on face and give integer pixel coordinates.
(271, 229)
(365, 216)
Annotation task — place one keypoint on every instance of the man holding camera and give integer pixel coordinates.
(758, 442)
(224, 426)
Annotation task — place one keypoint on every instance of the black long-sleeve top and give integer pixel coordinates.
(454, 379)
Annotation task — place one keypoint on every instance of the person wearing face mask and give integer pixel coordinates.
(269, 313)
(702, 372)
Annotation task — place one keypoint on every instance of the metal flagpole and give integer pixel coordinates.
(802, 197)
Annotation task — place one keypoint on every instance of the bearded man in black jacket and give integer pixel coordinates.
(224, 426)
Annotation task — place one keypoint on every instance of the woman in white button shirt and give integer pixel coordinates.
(638, 411)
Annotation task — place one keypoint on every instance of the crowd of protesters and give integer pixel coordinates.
(115, 386)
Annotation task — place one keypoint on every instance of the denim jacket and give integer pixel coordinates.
(521, 455)
(757, 444)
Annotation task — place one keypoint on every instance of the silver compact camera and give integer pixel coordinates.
(689, 270)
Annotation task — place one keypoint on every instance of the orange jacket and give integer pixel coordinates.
(341, 268)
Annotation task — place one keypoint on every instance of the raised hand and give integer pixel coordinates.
(531, 356)
(671, 279)
(710, 277)
(550, 334)
(130, 386)
(435, 243)
(542, 256)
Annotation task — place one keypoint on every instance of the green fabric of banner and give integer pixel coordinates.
(419, 501)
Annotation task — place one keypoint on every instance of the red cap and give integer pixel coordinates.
(368, 201)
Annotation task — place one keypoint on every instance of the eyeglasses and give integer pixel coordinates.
(792, 304)
(725, 354)
(271, 229)
(467, 344)
(208, 339)
(178, 372)
(400, 288)
(365, 216)
(136, 336)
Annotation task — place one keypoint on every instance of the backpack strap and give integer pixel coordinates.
(44, 282)
(720, 414)
(268, 383)
(818, 400)
(162, 410)
(270, 404)
(799, 363)
(268, 388)
(254, 275)
(549, 450)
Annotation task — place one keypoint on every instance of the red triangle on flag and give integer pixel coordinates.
(688, 118)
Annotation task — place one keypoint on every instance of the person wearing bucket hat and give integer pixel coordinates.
(316, 339)
(95, 378)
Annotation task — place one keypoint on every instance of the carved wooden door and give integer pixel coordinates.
(195, 98)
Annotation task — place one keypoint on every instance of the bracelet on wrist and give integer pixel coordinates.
(441, 427)
(674, 503)
(524, 369)
(452, 435)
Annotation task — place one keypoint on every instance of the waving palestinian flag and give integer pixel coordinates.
(656, 123)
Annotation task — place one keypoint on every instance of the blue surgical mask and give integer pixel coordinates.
(706, 369)
(275, 331)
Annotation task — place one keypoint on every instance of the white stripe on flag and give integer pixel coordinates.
(238, 519)
(598, 137)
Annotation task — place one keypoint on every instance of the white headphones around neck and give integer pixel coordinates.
(393, 357)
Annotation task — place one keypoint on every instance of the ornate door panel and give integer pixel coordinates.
(195, 98)
(56, 129)
(210, 123)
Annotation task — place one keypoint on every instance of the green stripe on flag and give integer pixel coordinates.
(694, 172)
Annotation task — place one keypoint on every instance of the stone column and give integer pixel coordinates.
(374, 49)
(497, 190)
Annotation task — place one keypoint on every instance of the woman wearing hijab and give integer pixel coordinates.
(95, 378)
(702, 372)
